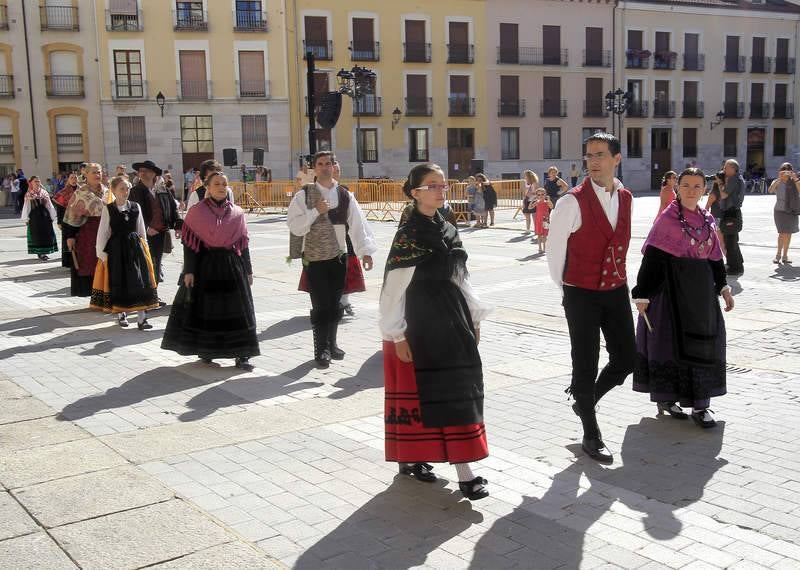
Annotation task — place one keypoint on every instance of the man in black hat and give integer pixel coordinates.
(159, 211)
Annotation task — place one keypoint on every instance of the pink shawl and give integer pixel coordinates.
(215, 225)
(669, 235)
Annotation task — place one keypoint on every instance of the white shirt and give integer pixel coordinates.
(392, 308)
(26, 210)
(300, 218)
(566, 220)
(194, 199)
(303, 179)
(104, 230)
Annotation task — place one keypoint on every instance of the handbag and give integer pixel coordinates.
(731, 221)
(792, 199)
(296, 242)
(167, 242)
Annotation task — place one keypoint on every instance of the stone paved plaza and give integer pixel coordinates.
(114, 454)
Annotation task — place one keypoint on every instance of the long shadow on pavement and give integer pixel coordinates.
(42, 324)
(666, 466)
(284, 328)
(786, 273)
(369, 376)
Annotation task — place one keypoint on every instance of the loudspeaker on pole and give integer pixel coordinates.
(229, 157)
(258, 157)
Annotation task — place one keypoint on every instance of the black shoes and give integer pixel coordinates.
(419, 471)
(672, 409)
(243, 363)
(144, 325)
(704, 419)
(348, 309)
(206, 360)
(475, 489)
(123, 320)
(596, 449)
(336, 352)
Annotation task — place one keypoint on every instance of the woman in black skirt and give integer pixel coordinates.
(212, 315)
(124, 280)
(61, 201)
(39, 214)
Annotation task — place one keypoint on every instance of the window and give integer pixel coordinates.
(634, 143)
(254, 132)
(190, 16)
(369, 145)
(729, 143)
(778, 142)
(689, 142)
(552, 143)
(128, 74)
(197, 133)
(193, 83)
(509, 143)
(316, 29)
(417, 145)
(249, 15)
(508, 52)
(252, 80)
(364, 47)
(132, 135)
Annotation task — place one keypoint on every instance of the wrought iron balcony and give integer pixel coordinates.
(365, 51)
(759, 110)
(735, 64)
(64, 18)
(595, 108)
(597, 58)
(733, 110)
(783, 111)
(460, 53)
(532, 56)
(322, 49)
(250, 20)
(367, 106)
(663, 109)
(186, 20)
(511, 108)
(419, 106)
(760, 64)
(194, 90)
(64, 85)
(638, 110)
(694, 62)
(416, 52)
(7, 86)
(124, 21)
(252, 89)
(460, 106)
(693, 110)
(69, 142)
(665, 60)
(121, 91)
(784, 65)
(553, 108)
(637, 59)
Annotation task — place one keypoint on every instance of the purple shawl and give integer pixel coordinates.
(215, 225)
(668, 234)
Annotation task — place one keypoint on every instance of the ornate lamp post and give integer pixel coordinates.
(618, 102)
(356, 84)
(160, 100)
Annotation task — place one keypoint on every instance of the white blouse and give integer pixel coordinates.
(392, 308)
(26, 210)
(104, 230)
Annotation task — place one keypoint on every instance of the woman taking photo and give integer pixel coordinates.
(430, 321)
(212, 315)
(787, 194)
(668, 185)
(680, 336)
(39, 215)
(489, 197)
(529, 197)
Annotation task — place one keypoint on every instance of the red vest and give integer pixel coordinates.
(596, 253)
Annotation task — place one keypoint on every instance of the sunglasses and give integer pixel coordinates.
(434, 187)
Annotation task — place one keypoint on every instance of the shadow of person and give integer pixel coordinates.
(666, 465)
(151, 384)
(44, 274)
(247, 391)
(786, 273)
(99, 337)
(409, 518)
(518, 238)
(63, 292)
(533, 256)
(24, 262)
(32, 326)
(288, 327)
(368, 377)
(736, 287)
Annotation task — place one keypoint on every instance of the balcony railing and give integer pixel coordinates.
(759, 110)
(64, 85)
(3, 17)
(7, 86)
(124, 21)
(252, 89)
(692, 110)
(6, 144)
(250, 21)
(419, 106)
(783, 111)
(735, 64)
(460, 53)
(416, 52)
(733, 110)
(553, 108)
(365, 51)
(322, 49)
(461, 106)
(595, 108)
(367, 106)
(760, 64)
(194, 90)
(69, 143)
(532, 56)
(784, 65)
(694, 62)
(511, 108)
(597, 58)
(190, 20)
(121, 91)
(59, 18)
(638, 110)
(637, 59)
(665, 60)
(663, 109)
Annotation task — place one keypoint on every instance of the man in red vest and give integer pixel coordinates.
(590, 230)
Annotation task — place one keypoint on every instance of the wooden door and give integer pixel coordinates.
(460, 152)
(363, 37)
(252, 78)
(458, 47)
(661, 155)
(595, 103)
(194, 83)
(415, 41)
(594, 46)
(509, 95)
(551, 89)
(509, 43)
(551, 36)
(417, 94)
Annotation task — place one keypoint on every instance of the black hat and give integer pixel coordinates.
(149, 165)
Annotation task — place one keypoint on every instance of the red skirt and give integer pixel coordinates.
(407, 440)
(353, 281)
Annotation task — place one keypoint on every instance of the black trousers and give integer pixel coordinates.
(733, 255)
(588, 314)
(326, 283)
(156, 245)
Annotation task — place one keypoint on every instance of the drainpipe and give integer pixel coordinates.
(614, 55)
(30, 84)
(100, 84)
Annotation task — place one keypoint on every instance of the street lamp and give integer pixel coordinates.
(396, 114)
(618, 102)
(356, 83)
(718, 119)
(160, 100)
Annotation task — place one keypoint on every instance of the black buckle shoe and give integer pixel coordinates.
(420, 471)
(596, 449)
(672, 409)
(336, 352)
(243, 363)
(475, 489)
(704, 419)
(144, 325)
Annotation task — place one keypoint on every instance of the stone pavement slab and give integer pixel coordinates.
(33, 552)
(14, 521)
(37, 433)
(230, 556)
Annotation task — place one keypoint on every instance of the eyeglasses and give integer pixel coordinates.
(597, 156)
(434, 187)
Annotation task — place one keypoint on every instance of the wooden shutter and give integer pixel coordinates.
(731, 92)
(415, 31)
(759, 47)
(782, 49)
(193, 65)
(551, 88)
(780, 94)
(123, 6)
(417, 85)
(594, 40)
(634, 39)
(551, 36)
(662, 42)
(691, 44)
(459, 33)
(689, 140)
(459, 86)
(757, 93)
(316, 29)
(732, 46)
(320, 86)
(594, 89)
(690, 91)
(363, 34)
(252, 78)
(509, 88)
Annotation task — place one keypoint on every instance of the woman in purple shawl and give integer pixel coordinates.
(212, 315)
(680, 336)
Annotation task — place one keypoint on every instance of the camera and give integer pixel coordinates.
(718, 176)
